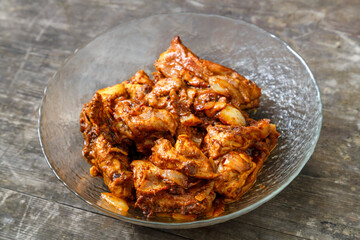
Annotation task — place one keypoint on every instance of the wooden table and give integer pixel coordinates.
(323, 202)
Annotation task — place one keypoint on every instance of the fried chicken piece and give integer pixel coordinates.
(108, 160)
(97, 118)
(164, 86)
(90, 131)
(234, 169)
(94, 112)
(196, 200)
(146, 123)
(185, 157)
(195, 134)
(139, 85)
(242, 151)
(110, 95)
(231, 178)
(143, 119)
(166, 191)
(179, 61)
(150, 179)
(207, 99)
(113, 164)
(219, 108)
(222, 139)
(165, 95)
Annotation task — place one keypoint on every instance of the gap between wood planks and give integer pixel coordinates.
(310, 193)
(167, 231)
(30, 196)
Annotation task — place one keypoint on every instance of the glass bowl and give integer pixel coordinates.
(290, 98)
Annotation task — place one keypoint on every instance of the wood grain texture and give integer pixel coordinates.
(323, 202)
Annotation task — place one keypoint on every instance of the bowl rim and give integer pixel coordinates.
(202, 222)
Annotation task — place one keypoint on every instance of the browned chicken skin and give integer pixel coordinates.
(169, 191)
(177, 142)
(185, 157)
(179, 61)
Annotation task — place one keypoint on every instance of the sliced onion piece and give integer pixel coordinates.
(119, 203)
(117, 90)
(174, 176)
(238, 161)
(231, 116)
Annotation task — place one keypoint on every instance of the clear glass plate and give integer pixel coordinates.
(290, 98)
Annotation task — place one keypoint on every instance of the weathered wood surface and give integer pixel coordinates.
(323, 202)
